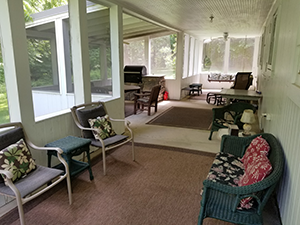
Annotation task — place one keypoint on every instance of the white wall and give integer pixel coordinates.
(281, 100)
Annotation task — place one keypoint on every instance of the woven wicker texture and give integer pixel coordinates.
(221, 201)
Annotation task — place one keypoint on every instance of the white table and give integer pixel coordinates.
(239, 94)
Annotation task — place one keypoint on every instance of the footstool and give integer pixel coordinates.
(72, 146)
(195, 87)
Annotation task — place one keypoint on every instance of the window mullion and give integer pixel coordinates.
(226, 56)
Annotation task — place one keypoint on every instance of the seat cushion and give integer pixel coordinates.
(17, 159)
(109, 141)
(37, 178)
(226, 169)
(143, 100)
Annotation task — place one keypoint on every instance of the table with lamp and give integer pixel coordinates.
(247, 118)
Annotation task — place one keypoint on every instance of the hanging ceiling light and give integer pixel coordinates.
(211, 18)
(225, 35)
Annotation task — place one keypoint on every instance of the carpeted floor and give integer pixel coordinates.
(161, 188)
(198, 97)
(193, 118)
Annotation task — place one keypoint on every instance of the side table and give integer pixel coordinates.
(195, 87)
(72, 146)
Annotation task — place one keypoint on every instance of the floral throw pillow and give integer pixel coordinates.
(259, 168)
(17, 159)
(103, 126)
(257, 147)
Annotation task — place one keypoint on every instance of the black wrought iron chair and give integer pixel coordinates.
(148, 99)
(81, 115)
(229, 114)
(34, 183)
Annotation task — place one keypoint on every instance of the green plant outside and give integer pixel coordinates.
(4, 114)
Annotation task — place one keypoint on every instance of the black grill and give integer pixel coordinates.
(133, 74)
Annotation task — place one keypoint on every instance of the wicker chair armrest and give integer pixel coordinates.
(238, 199)
(244, 190)
(239, 193)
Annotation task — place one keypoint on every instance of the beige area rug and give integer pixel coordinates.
(193, 118)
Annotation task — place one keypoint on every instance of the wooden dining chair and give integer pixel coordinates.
(148, 99)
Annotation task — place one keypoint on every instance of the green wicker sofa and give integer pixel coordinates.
(221, 201)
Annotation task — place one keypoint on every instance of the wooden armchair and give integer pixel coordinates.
(16, 180)
(148, 99)
(242, 81)
(81, 115)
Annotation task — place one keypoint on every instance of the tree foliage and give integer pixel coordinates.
(39, 51)
(40, 62)
(35, 6)
(163, 54)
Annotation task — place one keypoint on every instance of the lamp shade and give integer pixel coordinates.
(248, 116)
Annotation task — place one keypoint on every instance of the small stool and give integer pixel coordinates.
(195, 87)
(72, 146)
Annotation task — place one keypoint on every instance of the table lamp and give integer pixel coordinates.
(247, 118)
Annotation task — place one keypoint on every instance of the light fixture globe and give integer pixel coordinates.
(225, 35)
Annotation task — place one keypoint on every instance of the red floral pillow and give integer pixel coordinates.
(257, 146)
(259, 168)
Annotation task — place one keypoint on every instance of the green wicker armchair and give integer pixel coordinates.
(230, 114)
(221, 201)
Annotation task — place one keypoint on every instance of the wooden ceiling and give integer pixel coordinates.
(143, 17)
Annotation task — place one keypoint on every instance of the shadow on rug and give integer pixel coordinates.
(192, 118)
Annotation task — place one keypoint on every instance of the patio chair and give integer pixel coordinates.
(148, 99)
(21, 178)
(242, 81)
(83, 114)
(229, 114)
